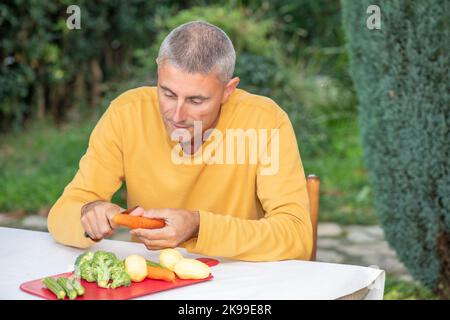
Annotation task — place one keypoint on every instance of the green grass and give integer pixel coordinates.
(39, 162)
(396, 289)
(345, 196)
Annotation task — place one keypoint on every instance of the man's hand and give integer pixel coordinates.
(96, 219)
(181, 225)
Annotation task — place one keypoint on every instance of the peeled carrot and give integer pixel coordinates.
(157, 272)
(134, 222)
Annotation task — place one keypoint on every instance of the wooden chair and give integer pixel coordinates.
(313, 187)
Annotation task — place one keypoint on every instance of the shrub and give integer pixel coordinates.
(401, 76)
(47, 69)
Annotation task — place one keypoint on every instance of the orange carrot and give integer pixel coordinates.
(157, 272)
(134, 222)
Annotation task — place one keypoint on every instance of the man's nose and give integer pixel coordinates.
(179, 114)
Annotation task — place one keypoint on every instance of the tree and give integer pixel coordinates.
(400, 73)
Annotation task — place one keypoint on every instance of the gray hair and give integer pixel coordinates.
(199, 47)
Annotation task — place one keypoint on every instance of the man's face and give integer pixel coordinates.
(185, 98)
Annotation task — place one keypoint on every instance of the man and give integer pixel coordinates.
(174, 147)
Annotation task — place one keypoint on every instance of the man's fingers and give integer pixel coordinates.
(87, 226)
(157, 213)
(109, 234)
(156, 244)
(92, 231)
(105, 225)
(137, 212)
(97, 228)
(89, 231)
(152, 234)
(110, 219)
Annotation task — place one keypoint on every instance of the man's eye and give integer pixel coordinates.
(168, 95)
(197, 102)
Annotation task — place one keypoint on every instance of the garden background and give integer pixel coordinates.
(55, 83)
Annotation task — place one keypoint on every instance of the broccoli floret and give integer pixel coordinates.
(102, 267)
(81, 260)
(88, 272)
(102, 262)
(120, 279)
(118, 266)
(87, 256)
(119, 276)
(100, 257)
(103, 275)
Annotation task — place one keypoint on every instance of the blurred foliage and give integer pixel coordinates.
(309, 30)
(397, 289)
(48, 70)
(47, 67)
(401, 75)
(256, 63)
(291, 51)
(39, 163)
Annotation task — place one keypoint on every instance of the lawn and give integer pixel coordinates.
(39, 162)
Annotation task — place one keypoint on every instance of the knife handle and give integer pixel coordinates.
(86, 235)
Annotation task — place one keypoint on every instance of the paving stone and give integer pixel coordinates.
(359, 234)
(35, 222)
(329, 256)
(329, 230)
(10, 217)
(327, 243)
(355, 250)
(375, 231)
(367, 249)
(389, 264)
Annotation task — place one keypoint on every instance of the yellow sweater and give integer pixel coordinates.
(244, 214)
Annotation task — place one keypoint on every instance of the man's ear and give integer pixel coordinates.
(229, 88)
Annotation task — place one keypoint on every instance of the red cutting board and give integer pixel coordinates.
(137, 289)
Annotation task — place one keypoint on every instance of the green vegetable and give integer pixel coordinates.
(102, 267)
(68, 288)
(102, 262)
(103, 276)
(154, 264)
(54, 287)
(119, 276)
(84, 257)
(120, 279)
(82, 267)
(88, 272)
(78, 287)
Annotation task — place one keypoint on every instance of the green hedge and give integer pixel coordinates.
(401, 76)
(47, 69)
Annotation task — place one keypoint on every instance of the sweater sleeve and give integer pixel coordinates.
(285, 231)
(99, 176)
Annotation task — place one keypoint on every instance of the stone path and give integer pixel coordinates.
(354, 244)
(358, 245)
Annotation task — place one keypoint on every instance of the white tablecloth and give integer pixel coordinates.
(28, 255)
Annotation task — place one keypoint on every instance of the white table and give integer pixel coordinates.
(28, 255)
